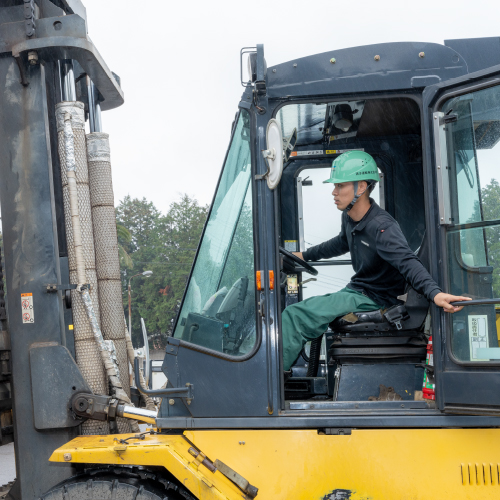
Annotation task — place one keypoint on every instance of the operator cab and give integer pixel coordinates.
(361, 351)
(436, 148)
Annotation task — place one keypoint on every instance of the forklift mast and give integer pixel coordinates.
(38, 41)
(228, 420)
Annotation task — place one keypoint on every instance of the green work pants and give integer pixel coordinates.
(309, 319)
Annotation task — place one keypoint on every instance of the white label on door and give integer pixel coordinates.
(478, 335)
(27, 308)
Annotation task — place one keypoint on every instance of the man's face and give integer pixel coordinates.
(343, 193)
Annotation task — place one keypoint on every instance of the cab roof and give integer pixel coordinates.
(380, 67)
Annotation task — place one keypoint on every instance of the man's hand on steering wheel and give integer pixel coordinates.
(299, 261)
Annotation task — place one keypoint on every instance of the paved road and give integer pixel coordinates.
(7, 464)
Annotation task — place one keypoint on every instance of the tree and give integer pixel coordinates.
(180, 233)
(166, 245)
(491, 211)
(124, 236)
(140, 218)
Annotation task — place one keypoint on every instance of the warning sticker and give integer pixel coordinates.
(478, 335)
(27, 308)
(291, 283)
(340, 151)
(314, 152)
(321, 152)
(291, 245)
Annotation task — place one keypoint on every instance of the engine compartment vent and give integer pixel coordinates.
(480, 474)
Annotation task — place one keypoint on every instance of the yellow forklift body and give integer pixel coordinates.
(389, 464)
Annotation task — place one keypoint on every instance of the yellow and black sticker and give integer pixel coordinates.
(321, 152)
(340, 151)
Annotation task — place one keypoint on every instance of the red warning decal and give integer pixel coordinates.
(27, 308)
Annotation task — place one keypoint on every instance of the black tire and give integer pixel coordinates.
(118, 484)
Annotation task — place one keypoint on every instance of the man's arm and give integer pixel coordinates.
(331, 248)
(393, 248)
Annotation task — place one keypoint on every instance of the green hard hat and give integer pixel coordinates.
(353, 166)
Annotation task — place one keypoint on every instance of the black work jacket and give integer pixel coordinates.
(380, 255)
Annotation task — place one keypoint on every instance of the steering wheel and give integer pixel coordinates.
(297, 260)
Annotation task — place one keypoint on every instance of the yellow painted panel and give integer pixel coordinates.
(392, 464)
(169, 451)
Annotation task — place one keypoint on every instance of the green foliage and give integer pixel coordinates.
(165, 244)
(491, 211)
(124, 237)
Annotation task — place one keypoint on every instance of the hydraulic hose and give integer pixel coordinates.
(106, 254)
(106, 249)
(65, 113)
(81, 256)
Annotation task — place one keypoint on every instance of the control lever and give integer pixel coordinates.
(307, 281)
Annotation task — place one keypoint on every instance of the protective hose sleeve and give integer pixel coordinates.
(74, 176)
(103, 349)
(106, 249)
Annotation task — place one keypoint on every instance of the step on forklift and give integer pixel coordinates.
(388, 404)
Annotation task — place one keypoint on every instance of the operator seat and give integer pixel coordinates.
(399, 318)
(383, 347)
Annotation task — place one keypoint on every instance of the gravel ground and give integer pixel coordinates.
(7, 463)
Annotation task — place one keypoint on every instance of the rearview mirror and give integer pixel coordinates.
(273, 155)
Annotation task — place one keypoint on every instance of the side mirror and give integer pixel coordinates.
(289, 145)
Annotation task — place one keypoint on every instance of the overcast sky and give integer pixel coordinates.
(179, 65)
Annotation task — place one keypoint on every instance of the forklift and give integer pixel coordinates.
(389, 404)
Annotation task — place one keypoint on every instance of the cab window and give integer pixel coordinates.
(218, 311)
(474, 237)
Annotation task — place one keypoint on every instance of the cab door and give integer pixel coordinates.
(217, 345)
(463, 165)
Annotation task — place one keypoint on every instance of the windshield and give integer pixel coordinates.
(218, 311)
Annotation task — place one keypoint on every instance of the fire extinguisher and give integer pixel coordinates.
(429, 387)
